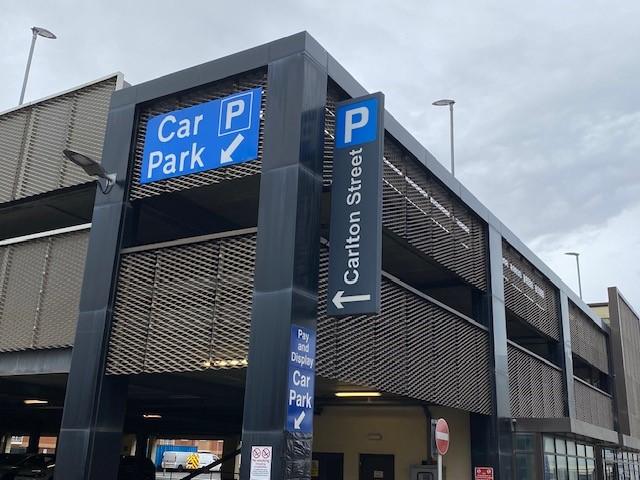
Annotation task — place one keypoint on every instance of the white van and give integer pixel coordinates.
(184, 460)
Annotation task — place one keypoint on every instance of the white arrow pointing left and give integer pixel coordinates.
(225, 153)
(340, 298)
(298, 421)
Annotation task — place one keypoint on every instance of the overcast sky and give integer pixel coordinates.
(547, 93)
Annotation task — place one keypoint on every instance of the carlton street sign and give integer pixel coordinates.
(355, 256)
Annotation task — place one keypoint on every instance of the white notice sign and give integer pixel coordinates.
(260, 463)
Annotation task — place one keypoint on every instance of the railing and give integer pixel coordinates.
(535, 385)
(593, 405)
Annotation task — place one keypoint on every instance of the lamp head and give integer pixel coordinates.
(573, 254)
(93, 168)
(444, 102)
(43, 32)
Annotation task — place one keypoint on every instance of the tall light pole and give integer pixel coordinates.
(37, 32)
(444, 103)
(577, 255)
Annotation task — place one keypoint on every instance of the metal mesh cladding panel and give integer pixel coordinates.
(529, 294)
(593, 406)
(33, 137)
(535, 387)
(587, 340)
(418, 208)
(40, 283)
(222, 88)
(188, 308)
(630, 330)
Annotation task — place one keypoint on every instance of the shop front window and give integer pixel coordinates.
(568, 460)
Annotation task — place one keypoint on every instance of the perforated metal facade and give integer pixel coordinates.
(593, 406)
(587, 340)
(188, 308)
(33, 137)
(214, 91)
(40, 282)
(418, 208)
(529, 294)
(630, 330)
(536, 387)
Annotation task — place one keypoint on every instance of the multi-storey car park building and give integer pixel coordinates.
(142, 300)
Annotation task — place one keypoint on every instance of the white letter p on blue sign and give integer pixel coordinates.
(357, 123)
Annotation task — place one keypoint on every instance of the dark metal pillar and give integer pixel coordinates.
(492, 437)
(91, 432)
(567, 356)
(287, 257)
(34, 442)
(227, 469)
(142, 445)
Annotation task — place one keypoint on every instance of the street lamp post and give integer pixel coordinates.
(577, 255)
(444, 103)
(37, 31)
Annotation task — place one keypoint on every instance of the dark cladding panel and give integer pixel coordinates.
(529, 294)
(587, 340)
(535, 386)
(222, 88)
(630, 331)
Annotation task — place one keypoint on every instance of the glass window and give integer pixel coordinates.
(525, 469)
(591, 469)
(590, 451)
(561, 465)
(582, 468)
(571, 447)
(548, 444)
(581, 450)
(524, 442)
(550, 467)
(573, 468)
(561, 446)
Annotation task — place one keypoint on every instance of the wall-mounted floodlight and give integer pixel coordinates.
(93, 168)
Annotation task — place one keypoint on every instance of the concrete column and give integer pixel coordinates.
(287, 257)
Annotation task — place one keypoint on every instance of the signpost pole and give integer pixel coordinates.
(439, 467)
(278, 404)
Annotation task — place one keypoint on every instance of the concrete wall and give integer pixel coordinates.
(403, 432)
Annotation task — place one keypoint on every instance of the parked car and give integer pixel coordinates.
(36, 467)
(180, 460)
(133, 468)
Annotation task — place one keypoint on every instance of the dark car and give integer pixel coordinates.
(10, 463)
(36, 467)
(133, 468)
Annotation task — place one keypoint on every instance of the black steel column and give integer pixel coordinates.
(567, 356)
(34, 442)
(91, 433)
(287, 257)
(492, 437)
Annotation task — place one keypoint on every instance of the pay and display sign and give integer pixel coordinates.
(210, 135)
(355, 256)
(302, 365)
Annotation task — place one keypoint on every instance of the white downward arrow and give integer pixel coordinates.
(341, 298)
(298, 421)
(225, 154)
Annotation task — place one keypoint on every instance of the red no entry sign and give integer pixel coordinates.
(484, 473)
(442, 436)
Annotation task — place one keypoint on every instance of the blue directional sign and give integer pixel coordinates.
(302, 364)
(210, 135)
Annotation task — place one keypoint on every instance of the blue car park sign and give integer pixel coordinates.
(355, 254)
(302, 365)
(210, 135)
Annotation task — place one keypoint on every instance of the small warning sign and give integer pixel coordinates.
(193, 461)
(260, 463)
(484, 473)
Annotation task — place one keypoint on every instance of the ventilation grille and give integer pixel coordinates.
(630, 333)
(529, 294)
(593, 406)
(40, 284)
(587, 340)
(33, 137)
(188, 308)
(419, 209)
(536, 388)
(214, 91)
